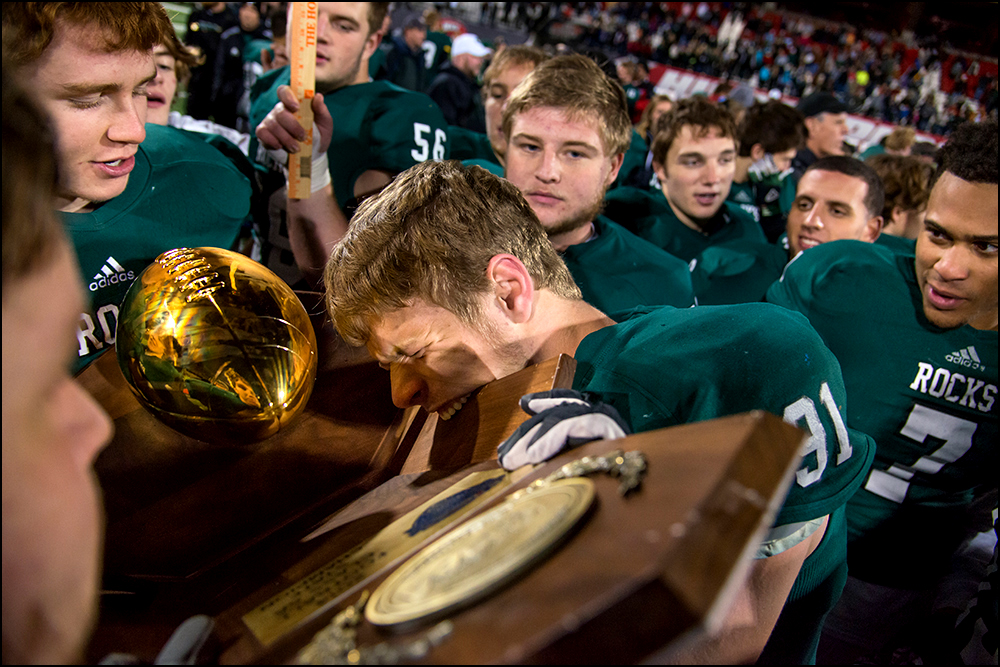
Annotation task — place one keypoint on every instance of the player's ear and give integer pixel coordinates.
(660, 171)
(616, 165)
(513, 287)
(757, 152)
(873, 228)
(371, 44)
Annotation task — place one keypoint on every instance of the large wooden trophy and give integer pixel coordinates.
(358, 532)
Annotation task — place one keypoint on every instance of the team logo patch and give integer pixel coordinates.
(967, 357)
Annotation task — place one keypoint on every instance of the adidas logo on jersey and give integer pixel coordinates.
(967, 357)
(772, 195)
(112, 273)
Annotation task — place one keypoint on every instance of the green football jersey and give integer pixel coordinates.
(376, 126)
(375, 63)
(736, 272)
(927, 395)
(181, 193)
(489, 166)
(665, 366)
(469, 145)
(437, 51)
(897, 244)
(745, 196)
(647, 214)
(617, 271)
(634, 160)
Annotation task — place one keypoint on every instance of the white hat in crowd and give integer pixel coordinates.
(469, 43)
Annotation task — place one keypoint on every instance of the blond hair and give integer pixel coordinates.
(575, 84)
(645, 125)
(430, 234)
(510, 57)
(900, 139)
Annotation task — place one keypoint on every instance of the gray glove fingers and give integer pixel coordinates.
(528, 400)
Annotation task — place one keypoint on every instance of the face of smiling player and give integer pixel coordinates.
(97, 103)
(698, 174)
(956, 257)
(830, 206)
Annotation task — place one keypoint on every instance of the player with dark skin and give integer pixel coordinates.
(920, 365)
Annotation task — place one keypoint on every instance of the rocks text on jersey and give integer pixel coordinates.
(954, 387)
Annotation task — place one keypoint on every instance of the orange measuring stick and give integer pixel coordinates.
(302, 51)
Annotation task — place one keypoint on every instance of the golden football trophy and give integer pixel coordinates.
(216, 346)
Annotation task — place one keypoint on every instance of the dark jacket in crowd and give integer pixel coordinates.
(405, 67)
(205, 29)
(459, 98)
(237, 66)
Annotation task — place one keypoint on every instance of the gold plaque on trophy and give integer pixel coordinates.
(482, 555)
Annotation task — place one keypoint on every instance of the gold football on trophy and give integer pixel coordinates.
(216, 346)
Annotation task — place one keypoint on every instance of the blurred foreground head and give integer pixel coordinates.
(52, 429)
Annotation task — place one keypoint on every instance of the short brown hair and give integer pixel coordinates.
(905, 179)
(376, 16)
(774, 125)
(30, 227)
(510, 57)
(849, 166)
(28, 27)
(184, 59)
(700, 113)
(431, 234)
(577, 85)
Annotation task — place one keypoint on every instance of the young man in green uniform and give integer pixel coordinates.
(371, 130)
(838, 198)
(769, 136)
(694, 156)
(506, 70)
(916, 337)
(449, 280)
(128, 192)
(437, 44)
(568, 130)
